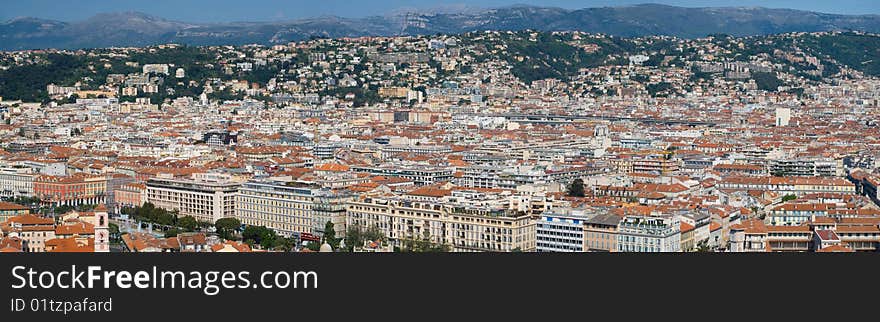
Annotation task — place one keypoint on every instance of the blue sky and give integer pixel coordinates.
(264, 10)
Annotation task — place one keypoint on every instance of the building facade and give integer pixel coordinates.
(464, 228)
(561, 230)
(73, 190)
(290, 208)
(16, 182)
(205, 197)
(649, 234)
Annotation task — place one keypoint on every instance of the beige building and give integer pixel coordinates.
(33, 231)
(206, 196)
(464, 228)
(291, 207)
(600, 233)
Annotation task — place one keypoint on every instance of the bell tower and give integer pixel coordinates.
(102, 230)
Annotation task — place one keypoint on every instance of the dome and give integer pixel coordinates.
(326, 248)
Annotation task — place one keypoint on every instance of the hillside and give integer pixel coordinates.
(138, 29)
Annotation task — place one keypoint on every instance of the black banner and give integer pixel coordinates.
(373, 286)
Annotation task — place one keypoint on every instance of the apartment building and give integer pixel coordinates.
(748, 236)
(793, 214)
(9, 210)
(419, 174)
(73, 190)
(33, 231)
(501, 176)
(637, 233)
(600, 232)
(807, 167)
(390, 149)
(854, 234)
(130, 195)
(291, 207)
(787, 185)
(16, 182)
(465, 228)
(204, 196)
(659, 165)
(561, 230)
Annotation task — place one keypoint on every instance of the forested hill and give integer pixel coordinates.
(138, 29)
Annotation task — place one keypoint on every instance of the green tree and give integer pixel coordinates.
(788, 198)
(226, 227)
(422, 245)
(355, 236)
(114, 231)
(576, 188)
(285, 244)
(703, 247)
(313, 246)
(173, 232)
(330, 235)
(767, 81)
(188, 223)
(259, 235)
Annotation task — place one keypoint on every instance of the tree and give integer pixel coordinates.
(422, 245)
(285, 244)
(263, 236)
(173, 232)
(767, 81)
(313, 246)
(576, 188)
(330, 235)
(355, 236)
(114, 231)
(226, 227)
(788, 198)
(188, 223)
(703, 247)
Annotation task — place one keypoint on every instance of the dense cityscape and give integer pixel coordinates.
(490, 141)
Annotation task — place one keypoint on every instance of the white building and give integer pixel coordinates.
(156, 69)
(16, 182)
(649, 234)
(561, 230)
(290, 208)
(206, 196)
(783, 116)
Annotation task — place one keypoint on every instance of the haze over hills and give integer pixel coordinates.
(138, 29)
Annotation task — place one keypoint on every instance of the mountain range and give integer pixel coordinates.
(139, 29)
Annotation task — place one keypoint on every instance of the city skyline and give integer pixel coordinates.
(633, 129)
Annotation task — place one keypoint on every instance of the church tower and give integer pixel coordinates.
(102, 230)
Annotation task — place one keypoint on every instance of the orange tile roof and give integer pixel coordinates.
(835, 249)
(5, 206)
(429, 191)
(332, 167)
(79, 228)
(686, 227)
(70, 245)
(752, 226)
